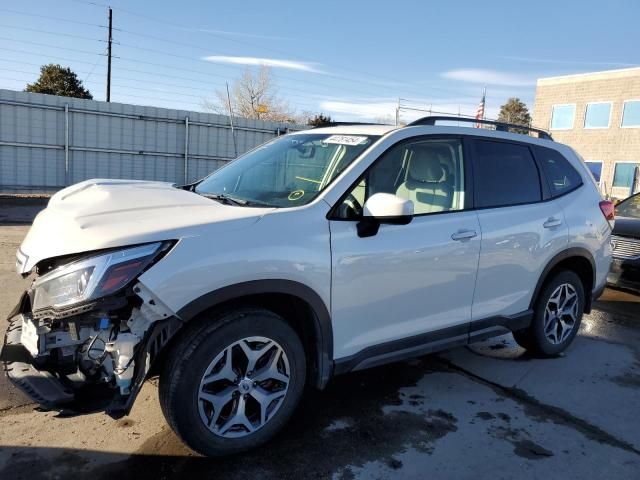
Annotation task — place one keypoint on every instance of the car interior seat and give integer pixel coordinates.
(427, 181)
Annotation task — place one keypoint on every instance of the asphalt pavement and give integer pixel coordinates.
(486, 411)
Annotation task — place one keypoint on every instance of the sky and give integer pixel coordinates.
(352, 60)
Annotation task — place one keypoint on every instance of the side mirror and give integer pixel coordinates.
(384, 208)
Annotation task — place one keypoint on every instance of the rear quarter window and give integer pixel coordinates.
(561, 176)
(504, 174)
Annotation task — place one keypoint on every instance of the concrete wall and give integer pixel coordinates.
(609, 145)
(47, 142)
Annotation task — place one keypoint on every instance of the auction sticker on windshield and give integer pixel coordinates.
(346, 139)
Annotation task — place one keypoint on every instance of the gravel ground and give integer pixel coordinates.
(485, 411)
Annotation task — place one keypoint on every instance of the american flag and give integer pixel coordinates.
(480, 109)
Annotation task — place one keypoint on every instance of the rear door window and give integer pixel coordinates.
(504, 174)
(561, 175)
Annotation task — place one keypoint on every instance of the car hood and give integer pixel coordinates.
(627, 227)
(98, 214)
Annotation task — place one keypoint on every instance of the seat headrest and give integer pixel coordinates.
(425, 166)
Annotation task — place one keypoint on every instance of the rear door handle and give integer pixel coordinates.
(552, 222)
(464, 235)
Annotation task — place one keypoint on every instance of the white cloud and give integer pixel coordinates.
(567, 62)
(269, 62)
(359, 110)
(489, 77)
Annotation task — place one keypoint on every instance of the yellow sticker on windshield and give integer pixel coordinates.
(296, 195)
(346, 139)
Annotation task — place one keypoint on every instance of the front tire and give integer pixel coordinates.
(233, 381)
(557, 315)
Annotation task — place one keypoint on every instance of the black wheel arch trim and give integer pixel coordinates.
(564, 255)
(322, 327)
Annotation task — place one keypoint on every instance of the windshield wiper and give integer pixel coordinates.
(226, 199)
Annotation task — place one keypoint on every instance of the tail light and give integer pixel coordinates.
(608, 210)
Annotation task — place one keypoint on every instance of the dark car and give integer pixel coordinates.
(625, 241)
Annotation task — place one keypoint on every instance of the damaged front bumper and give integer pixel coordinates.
(90, 359)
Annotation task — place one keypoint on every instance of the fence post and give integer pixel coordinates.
(186, 150)
(66, 145)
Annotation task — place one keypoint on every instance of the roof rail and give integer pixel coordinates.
(500, 126)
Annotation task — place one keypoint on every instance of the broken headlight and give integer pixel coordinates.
(93, 277)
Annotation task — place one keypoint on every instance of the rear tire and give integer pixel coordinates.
(232, 381)
(557, 315)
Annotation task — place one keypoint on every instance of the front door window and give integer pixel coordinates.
(430, 173)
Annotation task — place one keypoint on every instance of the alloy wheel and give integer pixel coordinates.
(561, 313)
(243, 387)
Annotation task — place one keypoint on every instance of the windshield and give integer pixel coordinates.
(629, 207)
(286, 172)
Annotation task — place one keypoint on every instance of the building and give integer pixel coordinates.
(598, 114)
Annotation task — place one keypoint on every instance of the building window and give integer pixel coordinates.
(562, 117)
(597, 115)
(631, 114)
(623, 174)
(596, 170)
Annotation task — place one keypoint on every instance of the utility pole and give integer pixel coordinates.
(398, 113)
(109, 41)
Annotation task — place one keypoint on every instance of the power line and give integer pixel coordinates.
(51, 33)
(277, 76)
(188, 28)
(305, 95)
(119, 85)
(375, 84)
(59, 19)
(279, 51)
(198, 72)
(38, 44)
(92, 69)
(263, 47)
(95, 4)
(236, 67)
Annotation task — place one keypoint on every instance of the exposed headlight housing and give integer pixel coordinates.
(93, 277)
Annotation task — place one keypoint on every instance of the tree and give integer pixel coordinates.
(318, 120)
(515, 111)
(388, 119)
(56, 80)
(254, 95)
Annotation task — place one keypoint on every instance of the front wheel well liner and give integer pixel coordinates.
(296, 303)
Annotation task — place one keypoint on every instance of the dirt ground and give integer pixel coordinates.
(487, 411)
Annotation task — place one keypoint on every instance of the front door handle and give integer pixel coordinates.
(464, 235)
(552, 222)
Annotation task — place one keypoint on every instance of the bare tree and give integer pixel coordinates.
(254, 95)
(387, 120)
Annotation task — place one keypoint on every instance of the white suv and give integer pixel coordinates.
(318, 253)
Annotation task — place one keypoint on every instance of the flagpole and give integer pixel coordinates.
(484, 100)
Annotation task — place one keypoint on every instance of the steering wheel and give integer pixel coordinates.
(350, 207)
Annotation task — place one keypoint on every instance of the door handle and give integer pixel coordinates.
(464, 235)
(552, 222)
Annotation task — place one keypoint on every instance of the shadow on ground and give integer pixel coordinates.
(341, 427)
